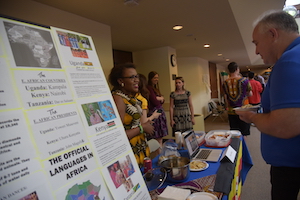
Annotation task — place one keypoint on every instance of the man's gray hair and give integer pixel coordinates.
(277, 19)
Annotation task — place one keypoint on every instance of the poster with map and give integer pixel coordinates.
(61, 135)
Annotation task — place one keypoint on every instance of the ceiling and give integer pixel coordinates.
(224, 24)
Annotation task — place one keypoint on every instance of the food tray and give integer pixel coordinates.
(200, 137)
(218, 138)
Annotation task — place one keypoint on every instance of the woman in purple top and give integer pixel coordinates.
(155, 103)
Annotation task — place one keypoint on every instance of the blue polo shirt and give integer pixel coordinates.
(283, 91)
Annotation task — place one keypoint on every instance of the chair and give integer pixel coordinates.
(217, 111)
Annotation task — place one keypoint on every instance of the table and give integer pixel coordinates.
(217, 171)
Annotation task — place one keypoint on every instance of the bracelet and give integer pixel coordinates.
(141, 129)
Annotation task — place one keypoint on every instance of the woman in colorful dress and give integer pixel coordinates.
(125, 82)
(181, 108)
(156, 101)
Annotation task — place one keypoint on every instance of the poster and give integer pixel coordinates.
(61, 135)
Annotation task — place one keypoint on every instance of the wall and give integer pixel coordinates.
(42, 14)
(194, 70)
(157, 60)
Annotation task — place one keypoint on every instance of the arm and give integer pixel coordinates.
(161, 99)
(249, 89)
(171, 111)
(144, 116)
(152, 98)
(154, 115)
(191, 109)
(281, 123)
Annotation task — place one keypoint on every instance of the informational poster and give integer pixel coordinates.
(61, 135)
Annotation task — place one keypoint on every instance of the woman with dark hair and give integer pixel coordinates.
(155, 103)
(125, 82)
(181, 108)
(143, 97)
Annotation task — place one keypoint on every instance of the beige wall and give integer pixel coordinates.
(42, 14)
(157, 60)
(194, 70)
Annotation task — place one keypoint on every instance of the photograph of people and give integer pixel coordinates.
(116, 174)
(32, 196)
(95, 115)
(181, 108)
(92, 113)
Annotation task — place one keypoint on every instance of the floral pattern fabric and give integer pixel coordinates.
(132, 120)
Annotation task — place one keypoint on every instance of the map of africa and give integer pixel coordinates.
(85, 191)
(32, 47)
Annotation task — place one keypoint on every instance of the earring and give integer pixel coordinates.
(122, 84)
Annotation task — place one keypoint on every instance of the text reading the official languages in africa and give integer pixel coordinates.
(69, 164)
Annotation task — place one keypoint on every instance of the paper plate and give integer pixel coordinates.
(205, 165)
(235, 133)
(202, 196)
(253, 108)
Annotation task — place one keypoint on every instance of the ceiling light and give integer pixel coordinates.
(227, 59)
(131, 2)
(219, 54)
(292, 10)
(206, 45)
(177, 27)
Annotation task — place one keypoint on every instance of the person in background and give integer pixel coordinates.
(236, 90)
(125, 82)
(260, 79)
(256, 90)
(277, 41)
(181, 108)
(155, 103)
(143, 96)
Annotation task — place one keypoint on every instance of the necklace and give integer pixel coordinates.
(133, 108)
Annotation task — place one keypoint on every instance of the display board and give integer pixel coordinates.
(61, 135)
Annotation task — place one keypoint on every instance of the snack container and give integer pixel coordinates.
(218, 138)
(200, 137)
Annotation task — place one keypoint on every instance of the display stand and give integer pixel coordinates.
(61, 135)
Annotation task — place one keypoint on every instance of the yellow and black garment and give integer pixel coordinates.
(132, 120)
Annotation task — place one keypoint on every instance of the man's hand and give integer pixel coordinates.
(246, 116)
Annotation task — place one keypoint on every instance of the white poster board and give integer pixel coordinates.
(61, 135)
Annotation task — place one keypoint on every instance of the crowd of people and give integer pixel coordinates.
(140, 105)
(277, 41)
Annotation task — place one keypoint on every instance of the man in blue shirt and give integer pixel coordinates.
(277, 41)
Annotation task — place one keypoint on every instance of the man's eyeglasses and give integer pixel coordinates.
(132, 77)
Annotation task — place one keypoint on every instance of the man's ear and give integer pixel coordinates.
(273, 33)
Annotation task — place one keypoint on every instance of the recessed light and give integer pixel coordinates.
(206, 45)
(177, 27)
(219, 54)
(227, 59)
